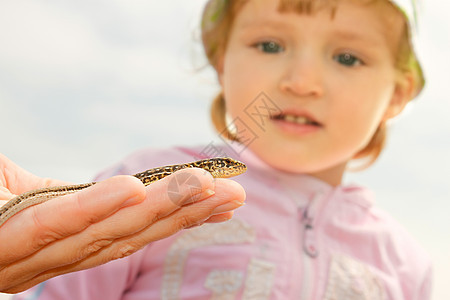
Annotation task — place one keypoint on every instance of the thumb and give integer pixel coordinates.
(17, 180)
(5, 195)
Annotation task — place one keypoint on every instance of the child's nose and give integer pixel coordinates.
(303, 76)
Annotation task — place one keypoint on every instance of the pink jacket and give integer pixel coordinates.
(296, 238)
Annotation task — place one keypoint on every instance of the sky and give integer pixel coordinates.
(85, 83)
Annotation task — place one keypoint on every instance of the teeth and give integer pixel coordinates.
(290, 118)
(297, 119)
(302, 120)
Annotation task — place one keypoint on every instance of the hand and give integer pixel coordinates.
(110, 220)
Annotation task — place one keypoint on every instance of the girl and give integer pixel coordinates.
(307, 87)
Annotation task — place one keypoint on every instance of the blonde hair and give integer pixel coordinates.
(217, 21)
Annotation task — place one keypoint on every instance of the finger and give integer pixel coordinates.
(227, 192)
(5, 195)
(160, 201)
(181, 188)
(18, 180)
(229, 196)
(39, 225)
(220, 217)
(158, 204)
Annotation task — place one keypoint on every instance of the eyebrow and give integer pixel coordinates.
(348, 35)
(264, 23)
(354, 36)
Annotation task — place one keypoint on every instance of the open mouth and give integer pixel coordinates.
(296, 119)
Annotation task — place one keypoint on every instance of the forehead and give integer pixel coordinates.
(384, 9)
(376, 17)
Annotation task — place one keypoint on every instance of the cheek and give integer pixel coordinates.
(359, 116)
(358, 125)
(241, 85)
(232, 78)
(368, 95)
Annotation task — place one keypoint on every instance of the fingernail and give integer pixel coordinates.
(208, 193)
(227, 207)
(219, 219)
(195, 225)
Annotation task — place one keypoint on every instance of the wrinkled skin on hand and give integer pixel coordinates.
(110, 220)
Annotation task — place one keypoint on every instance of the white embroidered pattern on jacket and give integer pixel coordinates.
(259, 282)
(234, 231)
(350, 279)
(224, 283)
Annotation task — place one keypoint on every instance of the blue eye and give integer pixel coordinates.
(269, 47)
(347, 59)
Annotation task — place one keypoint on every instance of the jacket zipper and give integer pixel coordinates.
(310, 251)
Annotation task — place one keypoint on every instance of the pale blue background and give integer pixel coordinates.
(84, 83)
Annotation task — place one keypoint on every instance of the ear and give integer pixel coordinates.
(403, 93)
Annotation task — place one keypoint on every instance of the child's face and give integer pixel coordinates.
(338, 71)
